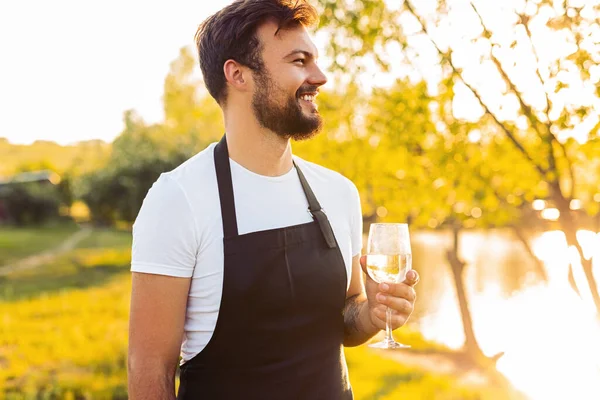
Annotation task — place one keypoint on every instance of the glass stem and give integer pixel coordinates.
(388, 325)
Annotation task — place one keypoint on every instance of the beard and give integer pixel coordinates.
(286, 120)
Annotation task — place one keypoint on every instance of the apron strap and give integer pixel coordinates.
(223, 168)
(317, 212)
(230, 228)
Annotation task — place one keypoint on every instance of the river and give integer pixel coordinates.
(549, 334)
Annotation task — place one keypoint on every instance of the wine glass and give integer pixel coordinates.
(389, 258)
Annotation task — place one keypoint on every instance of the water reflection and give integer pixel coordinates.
(550, 336)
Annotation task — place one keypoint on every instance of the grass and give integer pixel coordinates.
(107, 239)
(94, 261)
(374, 377)
(17, 243)
(64, 328)
(63, 334)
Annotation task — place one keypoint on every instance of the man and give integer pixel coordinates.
(246, 259)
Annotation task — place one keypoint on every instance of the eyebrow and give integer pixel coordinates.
(307, 54)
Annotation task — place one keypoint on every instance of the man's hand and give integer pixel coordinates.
(400, 297)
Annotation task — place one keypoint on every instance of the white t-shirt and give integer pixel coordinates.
(179, 232)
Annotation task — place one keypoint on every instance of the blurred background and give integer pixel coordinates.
(475, 121)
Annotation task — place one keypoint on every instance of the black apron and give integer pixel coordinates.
(280, 327)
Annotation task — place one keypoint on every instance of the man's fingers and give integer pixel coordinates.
(399, 297)
(401, 290)
(397, 304)
(379, 322)
(412, 278)
(398, 320)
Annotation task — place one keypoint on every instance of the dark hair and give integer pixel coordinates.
(231, 34)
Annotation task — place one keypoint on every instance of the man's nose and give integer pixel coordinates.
(317, 77)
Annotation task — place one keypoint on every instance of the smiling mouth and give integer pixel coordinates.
(308, 97)
(309, 100)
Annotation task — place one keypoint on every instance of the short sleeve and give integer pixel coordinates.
(356, 228)
(164, 232)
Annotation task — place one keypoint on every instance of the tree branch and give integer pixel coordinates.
(539, 265)
(535, 122)
(526, 108)
(542, 171)
(523, 21)
(563, 149)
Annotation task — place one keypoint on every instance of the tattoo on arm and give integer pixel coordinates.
(357, 327)
(351, 312)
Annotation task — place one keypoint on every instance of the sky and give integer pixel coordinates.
(69, 69)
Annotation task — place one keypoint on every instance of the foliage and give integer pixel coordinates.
(116, 191)
(76, 158)
(142, 152)
(498, 90)
(409, 159)
(31, 203)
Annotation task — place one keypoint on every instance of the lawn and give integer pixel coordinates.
(17, 243)
(63, 334)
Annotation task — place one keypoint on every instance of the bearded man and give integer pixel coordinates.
(246, 259)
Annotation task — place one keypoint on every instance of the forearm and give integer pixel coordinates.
(358, 327)
(151, 384)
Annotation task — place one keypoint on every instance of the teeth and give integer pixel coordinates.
(307, 97)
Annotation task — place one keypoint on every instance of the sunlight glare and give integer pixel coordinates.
(550, 336)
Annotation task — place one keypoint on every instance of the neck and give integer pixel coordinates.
(255, 148)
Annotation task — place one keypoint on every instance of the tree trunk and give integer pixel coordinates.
(571, 278)
(471, 346)
(569, 228)
(586, 266)
(539, 265)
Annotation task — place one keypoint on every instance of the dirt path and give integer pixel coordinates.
(36, 260)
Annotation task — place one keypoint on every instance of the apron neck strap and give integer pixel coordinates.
(224, 181)
(223, 168)
(315, 209)
(313, 203)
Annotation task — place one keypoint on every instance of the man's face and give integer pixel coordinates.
(284, 92)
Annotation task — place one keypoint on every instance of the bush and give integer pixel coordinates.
(31, 203)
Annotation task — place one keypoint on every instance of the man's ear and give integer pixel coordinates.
(237, 75)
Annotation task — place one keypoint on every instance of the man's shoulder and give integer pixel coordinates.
(195, 170)
(185, 187)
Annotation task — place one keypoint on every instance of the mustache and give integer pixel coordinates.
(308, 89)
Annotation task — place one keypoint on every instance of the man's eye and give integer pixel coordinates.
(299, 60)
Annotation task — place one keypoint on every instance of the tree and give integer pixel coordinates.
(139, 155)
(410, 161)
(192, 118)
(142, 151)
(538, 98)
(31, 203)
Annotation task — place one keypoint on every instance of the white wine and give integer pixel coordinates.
(388, 260)
(385, 268)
